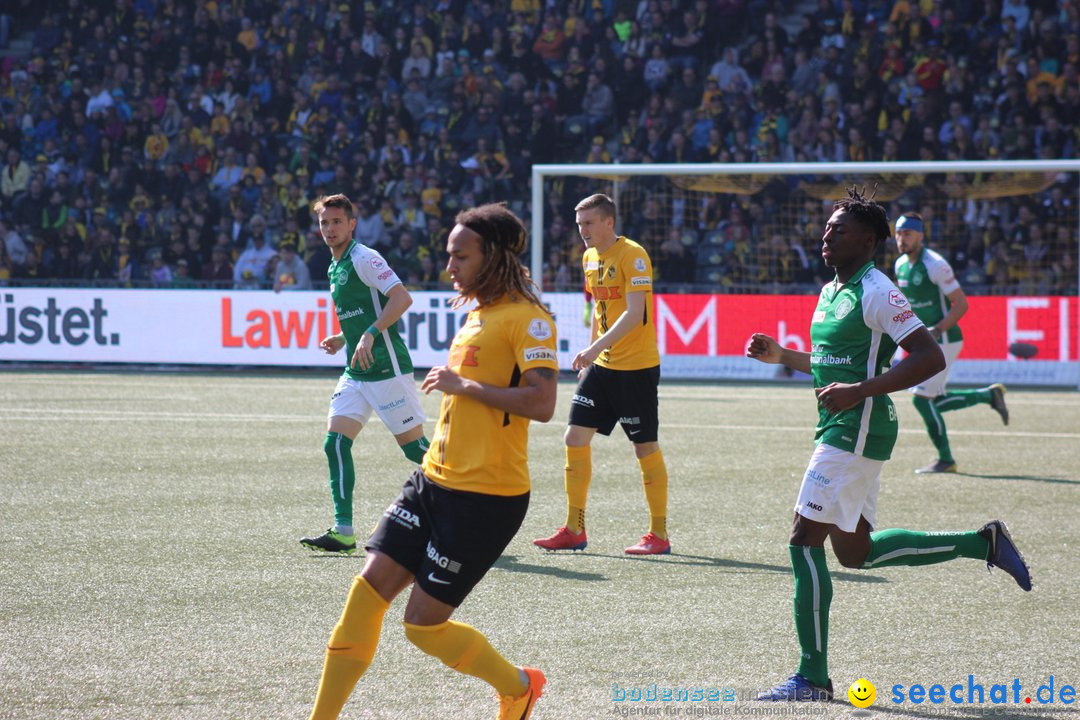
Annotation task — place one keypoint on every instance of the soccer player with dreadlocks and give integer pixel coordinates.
(860, 319)
(457, 513)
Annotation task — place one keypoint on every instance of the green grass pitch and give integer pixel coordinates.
(150, 565)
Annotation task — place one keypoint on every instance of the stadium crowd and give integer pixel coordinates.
(174, 144)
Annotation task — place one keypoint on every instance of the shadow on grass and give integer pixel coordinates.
(511, 563)
(705, 561)
(1031, 478)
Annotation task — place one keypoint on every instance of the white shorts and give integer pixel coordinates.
(839, 487)
(936, 385)
(395, 400)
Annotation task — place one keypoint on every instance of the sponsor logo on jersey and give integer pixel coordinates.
(582, 400)
(540, 329)
(377, 263)
(534, 354)
(408, 420)
(817, 478)
(385, 274)
(639, 264)
(591, 266)
(641, 281)
(607, 293)
(814, 506)
(401, 516)
(441, 560)
(819, 316)
(346, 314)
(826, 359)
(897, 299)
(843, 307)
(903, 316)
(902, 282)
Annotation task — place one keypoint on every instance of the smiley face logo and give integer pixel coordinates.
(862, 693)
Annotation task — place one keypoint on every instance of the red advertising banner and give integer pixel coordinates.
(719, 325)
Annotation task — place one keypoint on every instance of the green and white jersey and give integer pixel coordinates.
(854, 333)
(359, 282)
(926, 282)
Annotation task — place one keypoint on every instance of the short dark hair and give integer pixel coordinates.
(335, 201)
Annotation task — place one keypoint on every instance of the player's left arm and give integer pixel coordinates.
(398, 301)
(630, 318)
(958, 305)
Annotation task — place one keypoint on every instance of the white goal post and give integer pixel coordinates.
(614, 175)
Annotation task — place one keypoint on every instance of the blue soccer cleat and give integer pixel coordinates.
(798, 689)
(1003, 553)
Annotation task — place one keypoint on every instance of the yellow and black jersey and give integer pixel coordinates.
(476, 447)
(609, 277)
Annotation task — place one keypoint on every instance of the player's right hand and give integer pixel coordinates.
(764, 348)
(332, 344)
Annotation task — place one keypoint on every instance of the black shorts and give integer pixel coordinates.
(448, 539)
(628, 397)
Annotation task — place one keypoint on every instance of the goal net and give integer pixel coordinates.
(737, 247)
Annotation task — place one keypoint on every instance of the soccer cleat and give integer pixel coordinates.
(521, 707)
(997, 401)
(651, 544)
(563, 539)
(797, 689)
(1003, 553)
(331, 541)
(939, 466)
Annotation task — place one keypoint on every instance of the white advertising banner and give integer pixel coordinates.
(700, 336)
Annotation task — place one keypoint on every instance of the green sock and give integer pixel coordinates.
(959, 399)
(338, 449)
(415, 450)
(912, 547)
(813, 595)
(935, 426)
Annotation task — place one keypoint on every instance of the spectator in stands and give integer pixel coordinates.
(249, 273)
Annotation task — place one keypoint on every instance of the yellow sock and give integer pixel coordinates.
(465, 649)
(578, 474)
(351, 648)
(655, 481)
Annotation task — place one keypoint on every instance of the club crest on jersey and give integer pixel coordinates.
(540, 329)
(843, 308)
(916, 279)
(897, 299)
(611, 272)
(639, 264)
(342, 276)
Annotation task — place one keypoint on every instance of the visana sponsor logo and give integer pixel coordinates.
(441, 560)
(825, 359)
(538, 353)
(641, 281)
(402, 516)
(29, 325)
(582, 400)
(903, 317)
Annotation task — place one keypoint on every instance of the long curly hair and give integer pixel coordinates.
(504, 239)
(867, 211)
